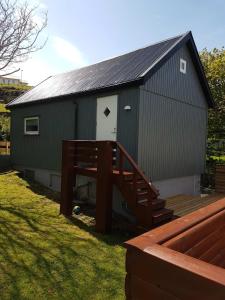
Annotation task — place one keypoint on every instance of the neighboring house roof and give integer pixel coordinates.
(128, 69)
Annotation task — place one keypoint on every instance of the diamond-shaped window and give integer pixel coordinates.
(107, 111)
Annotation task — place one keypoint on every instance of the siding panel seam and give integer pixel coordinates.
(174, 99)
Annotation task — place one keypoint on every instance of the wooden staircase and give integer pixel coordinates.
(109, 163)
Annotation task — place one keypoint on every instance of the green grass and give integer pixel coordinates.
(3, 108)
(45, 256)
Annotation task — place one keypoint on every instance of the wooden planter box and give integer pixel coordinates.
(184, 259)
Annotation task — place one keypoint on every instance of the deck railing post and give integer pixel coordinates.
(104, 187)
(67, 180)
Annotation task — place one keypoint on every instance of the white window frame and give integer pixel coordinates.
(25, 126)
(183, 66)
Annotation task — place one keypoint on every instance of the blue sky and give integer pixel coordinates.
(82, 32)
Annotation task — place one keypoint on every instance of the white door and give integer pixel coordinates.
(106, 119)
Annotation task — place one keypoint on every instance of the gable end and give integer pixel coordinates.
(186, 40)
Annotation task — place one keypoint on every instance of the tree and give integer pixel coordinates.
(214, 65)
(20, 29)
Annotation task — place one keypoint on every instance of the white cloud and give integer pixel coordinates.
(69, 52)
(35, 70)
(57, 56)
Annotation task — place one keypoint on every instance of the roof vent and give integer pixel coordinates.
(183, 66)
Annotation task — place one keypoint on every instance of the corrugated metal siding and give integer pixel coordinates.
(128, 120)
(172, 122)
(170, 82)
(58, 122)
(44, 151)
(86, 118)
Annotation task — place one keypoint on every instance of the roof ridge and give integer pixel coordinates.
(165, 53)
(120, 55)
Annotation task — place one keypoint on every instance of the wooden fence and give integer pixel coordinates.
(4, 147)
(220, 179)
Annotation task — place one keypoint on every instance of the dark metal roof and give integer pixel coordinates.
(129, 68)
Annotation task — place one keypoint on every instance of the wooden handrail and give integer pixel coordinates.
(120, 161)
(109, 163)
(88, 153)
(135, 168)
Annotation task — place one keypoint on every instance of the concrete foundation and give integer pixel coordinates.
(49, 178)
(189, 185)
(86, 187)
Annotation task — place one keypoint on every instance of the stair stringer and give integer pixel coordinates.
(143, 213)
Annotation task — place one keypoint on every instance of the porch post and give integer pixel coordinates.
(67, 180)
(104, 187)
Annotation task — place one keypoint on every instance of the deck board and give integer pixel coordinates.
(185, 204)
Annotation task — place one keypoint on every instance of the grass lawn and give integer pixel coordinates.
(45, 256)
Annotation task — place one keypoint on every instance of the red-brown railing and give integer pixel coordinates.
(110, 163)
(88, 154)
(88, 158)
(124, 157)
(83, 153)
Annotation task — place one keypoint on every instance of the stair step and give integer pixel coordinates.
(143, 202)
(127, 174)
(140, 184)
(158, 204)
(161, 215)
(142, 196)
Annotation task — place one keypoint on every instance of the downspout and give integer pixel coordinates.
(75, 120)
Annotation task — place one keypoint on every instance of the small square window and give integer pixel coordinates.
(31, 126)
(183, 66)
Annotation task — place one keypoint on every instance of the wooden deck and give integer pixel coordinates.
(185, 204)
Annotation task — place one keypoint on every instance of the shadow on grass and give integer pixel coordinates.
(39, 189)
(51, 259)
(116, 237)
(4, 171)
(44, 257)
